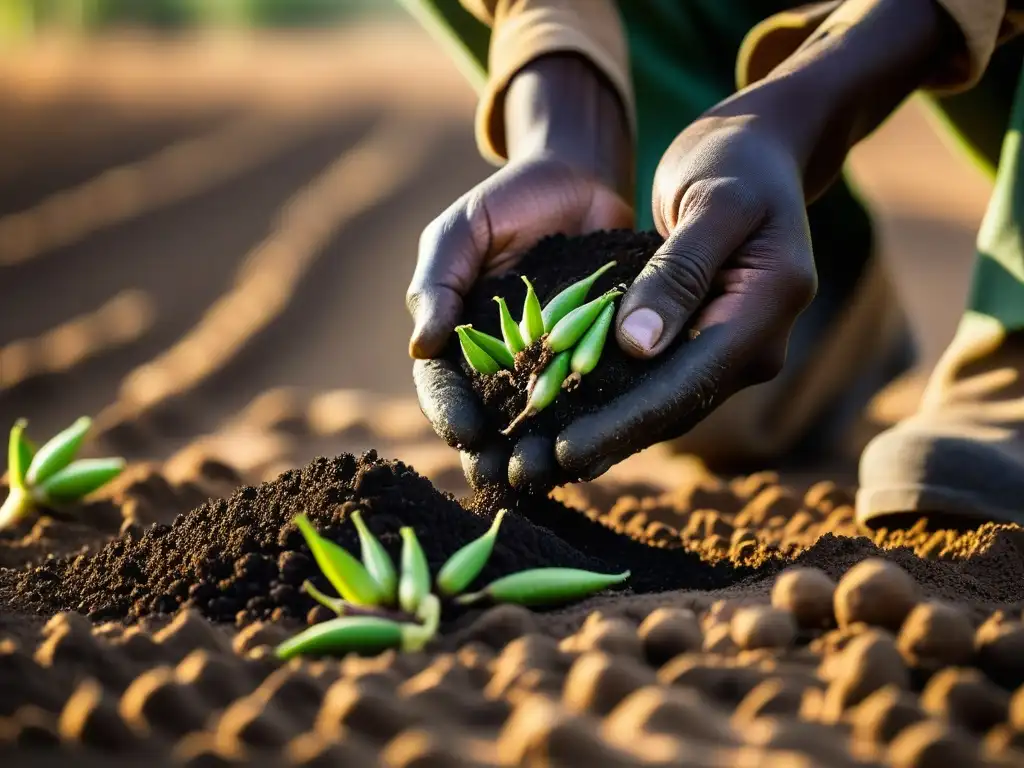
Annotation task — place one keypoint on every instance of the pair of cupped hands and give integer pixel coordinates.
(736, 266)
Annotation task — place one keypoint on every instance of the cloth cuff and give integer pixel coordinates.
(590, 28)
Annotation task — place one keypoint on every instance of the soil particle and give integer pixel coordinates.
(932, 744)
(870, 661)
(884, 714)
(775, 697)
(965, 698)
(669, 632)
(762, 627)
(936, 634)
(597, 682)
(875, 592)
(807, 593)
(999, 645)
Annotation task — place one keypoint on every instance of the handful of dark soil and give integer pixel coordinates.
(552, 265)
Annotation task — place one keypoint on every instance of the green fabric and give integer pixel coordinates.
(997, 286)
(459, 31)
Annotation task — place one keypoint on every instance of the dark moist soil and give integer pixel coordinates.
(555, 263)
(241, 559)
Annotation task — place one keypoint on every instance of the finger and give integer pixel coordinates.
(740, 339)
(451, 249)
(447, 399)
(685, 387)
(715, 219)
(487, 468)
(532, 467)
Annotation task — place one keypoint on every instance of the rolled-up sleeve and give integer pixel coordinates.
(524, 30)
(983, 25)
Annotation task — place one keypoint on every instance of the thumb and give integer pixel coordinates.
(677, 279)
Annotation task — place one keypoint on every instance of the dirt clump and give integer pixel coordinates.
(875, 592)
(807, 593)
(936, 635)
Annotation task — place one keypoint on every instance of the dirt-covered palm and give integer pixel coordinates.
(484, 233)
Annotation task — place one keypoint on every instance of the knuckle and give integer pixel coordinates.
(432, 233)
(720, 193)
(801, 283)
(413, 297)
(685, 276)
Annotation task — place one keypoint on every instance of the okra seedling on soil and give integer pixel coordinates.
(568, 325)
(466, 564)
(377, 560)
(373, 625)
(50, 476)
(543, 586)
(346, 574)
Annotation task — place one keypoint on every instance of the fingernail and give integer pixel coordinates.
(643, 327)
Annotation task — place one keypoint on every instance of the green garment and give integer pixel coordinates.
(682, 58)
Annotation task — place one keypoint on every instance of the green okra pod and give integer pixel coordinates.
(19, 454)
(588, 352)
(414, 583)
(367, 634)
(509, 329)
(479, 360)
(575, 324)
(376, 560)
(570, 298)
(532, 325)
(492, 346)
(545, 586)
(57, 452)
(466, 563)
(78, 479)
(545, 389)
(346, 574)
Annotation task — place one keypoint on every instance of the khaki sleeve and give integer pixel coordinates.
(523, 30)
(984, 24)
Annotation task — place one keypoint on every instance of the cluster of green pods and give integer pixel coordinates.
(49, 476)
(571, 327)
(380, 608)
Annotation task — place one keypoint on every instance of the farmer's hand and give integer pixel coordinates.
(729, 196)
(569, 171)
(736, 268)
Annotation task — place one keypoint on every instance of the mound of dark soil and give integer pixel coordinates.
(555, 263)
(242, 559)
